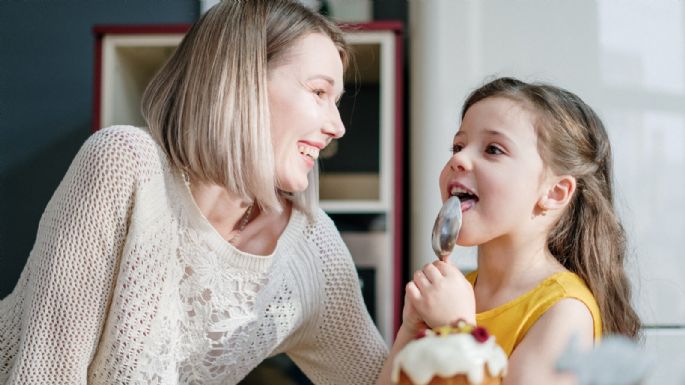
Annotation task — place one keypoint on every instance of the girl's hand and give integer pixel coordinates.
(440, 295)
(411, 321)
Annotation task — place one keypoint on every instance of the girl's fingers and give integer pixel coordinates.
(446, 268)
(421, 280)
(412, 292)
(432, 273)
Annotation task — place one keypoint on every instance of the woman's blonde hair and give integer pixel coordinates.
(208, 107)
(588, 239)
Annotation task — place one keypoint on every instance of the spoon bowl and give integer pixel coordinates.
(446, 228)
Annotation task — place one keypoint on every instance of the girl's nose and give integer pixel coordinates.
(460, 162)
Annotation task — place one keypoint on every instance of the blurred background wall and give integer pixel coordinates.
(46, 86)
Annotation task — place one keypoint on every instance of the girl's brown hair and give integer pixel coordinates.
(588, 239)
(208, 107)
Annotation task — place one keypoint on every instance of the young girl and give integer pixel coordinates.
(531, 164)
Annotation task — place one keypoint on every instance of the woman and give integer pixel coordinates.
(188, 252)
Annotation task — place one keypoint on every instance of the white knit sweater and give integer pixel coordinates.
(128, 283)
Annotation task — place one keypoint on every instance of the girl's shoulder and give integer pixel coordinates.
(471, 277)
(571, 284)
(512, 320)
(558, 285)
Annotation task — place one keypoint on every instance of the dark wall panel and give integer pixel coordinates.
(46, 86)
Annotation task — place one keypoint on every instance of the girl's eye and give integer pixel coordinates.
(493, 150)
(319, 92)
(456, 148)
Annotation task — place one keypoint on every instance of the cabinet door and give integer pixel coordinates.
(360, 177)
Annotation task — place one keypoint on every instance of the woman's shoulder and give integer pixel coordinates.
(319, 222)
(125, 139)
(309, 223)
(320, 218)
(123, 149)
(322, 234)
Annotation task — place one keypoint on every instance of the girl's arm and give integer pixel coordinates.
(439, 295)
(411, 324)
(404, 336)
(534, 359)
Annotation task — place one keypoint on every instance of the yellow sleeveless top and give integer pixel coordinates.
(510, 322)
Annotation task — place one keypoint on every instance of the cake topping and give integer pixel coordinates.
(480, 334)
(459, 327)
(446, 351)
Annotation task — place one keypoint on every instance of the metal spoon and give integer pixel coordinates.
(446, 227)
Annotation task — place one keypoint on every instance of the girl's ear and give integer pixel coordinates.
(559, 194)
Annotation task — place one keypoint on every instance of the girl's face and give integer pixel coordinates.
(303, 94)
(495, 169)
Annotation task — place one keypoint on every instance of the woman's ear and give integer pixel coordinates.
(559, 194)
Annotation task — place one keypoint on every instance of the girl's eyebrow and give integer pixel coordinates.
(488, 132)
(498, 133)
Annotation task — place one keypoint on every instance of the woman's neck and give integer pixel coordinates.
(222, 209)
(257, 233)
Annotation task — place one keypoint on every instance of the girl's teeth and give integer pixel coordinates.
(457, 190)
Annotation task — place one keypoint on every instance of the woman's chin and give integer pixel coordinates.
(294, 187)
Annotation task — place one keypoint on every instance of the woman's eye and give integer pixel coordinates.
(319, 92)
(493, 150)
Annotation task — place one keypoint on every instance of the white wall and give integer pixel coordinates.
(627, 60)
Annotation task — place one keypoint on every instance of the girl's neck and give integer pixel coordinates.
(508, 264)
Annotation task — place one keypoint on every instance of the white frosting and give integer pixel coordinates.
(447, 356)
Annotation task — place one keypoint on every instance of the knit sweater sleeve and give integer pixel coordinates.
(52, 321)
(342, 345)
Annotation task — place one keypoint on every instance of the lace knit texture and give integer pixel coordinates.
(128, 283)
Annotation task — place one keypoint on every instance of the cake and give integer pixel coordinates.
(459, 354)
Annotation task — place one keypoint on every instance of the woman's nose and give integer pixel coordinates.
(334, 127)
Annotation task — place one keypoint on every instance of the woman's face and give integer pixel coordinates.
(496, 169)
(303, 93)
